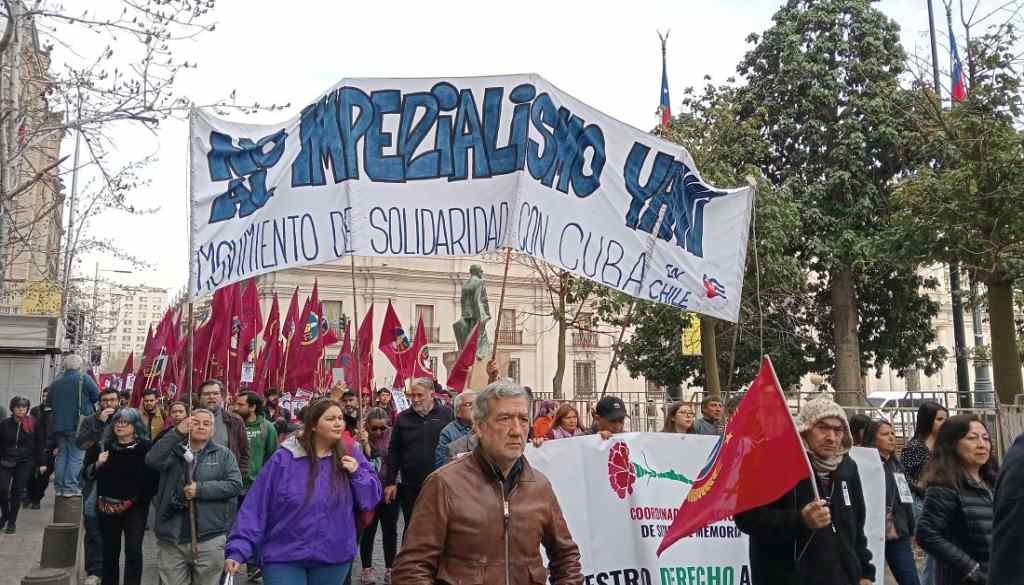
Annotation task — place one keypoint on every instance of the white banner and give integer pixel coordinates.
(460, 167)
(618, 530)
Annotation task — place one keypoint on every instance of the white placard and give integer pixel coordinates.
(460, 167)
(618, 535)
(338, 374)
(398, 397)
(248, 372)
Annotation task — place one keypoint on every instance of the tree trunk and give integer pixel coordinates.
(556, 382)
(709, 350)
(847, 379)
(1006, 374)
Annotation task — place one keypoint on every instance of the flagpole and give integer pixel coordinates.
(358, 356)
(501, 303)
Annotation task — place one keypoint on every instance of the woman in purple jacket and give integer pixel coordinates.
(299, 516)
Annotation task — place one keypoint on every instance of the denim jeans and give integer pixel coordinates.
(282, 574)
(68, 466)
(900, 559)
(928, 573)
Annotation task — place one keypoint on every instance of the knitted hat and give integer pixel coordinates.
(820, 408)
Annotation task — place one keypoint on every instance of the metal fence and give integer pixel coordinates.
(647, 412)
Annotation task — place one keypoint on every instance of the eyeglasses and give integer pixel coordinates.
(122, 423)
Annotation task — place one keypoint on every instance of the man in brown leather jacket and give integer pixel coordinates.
(484, 517)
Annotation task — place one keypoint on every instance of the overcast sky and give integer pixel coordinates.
(278, 52)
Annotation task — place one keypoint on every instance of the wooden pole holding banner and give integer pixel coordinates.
(355, 338)
(193, 532)
(501, 303)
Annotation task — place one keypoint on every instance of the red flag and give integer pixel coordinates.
(459, 374)
(364, 340)
(305, 345)
(421, 355)
(758, 458)
(269, 357)
(251, 322)
(327, 335)
(288, 326)
(154, 359)
(345, 361)
(395, 344)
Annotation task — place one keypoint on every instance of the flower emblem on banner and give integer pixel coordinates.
(623, 473)
(424, 360)
(620, 471)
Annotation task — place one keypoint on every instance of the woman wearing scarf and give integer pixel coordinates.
(21, 451)
(798, 540)
(124, 488)
(566, 423)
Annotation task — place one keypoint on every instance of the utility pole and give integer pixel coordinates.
(963, 381)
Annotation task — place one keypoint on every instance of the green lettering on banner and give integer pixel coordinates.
(714, 576)
(666, 576)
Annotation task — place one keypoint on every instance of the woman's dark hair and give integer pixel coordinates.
(871, 432)
(19, 401)
(377, 413)
(670, 416)
(945, 467)
(307, 439)
(858, 424)
(562, 412)
(926, 419)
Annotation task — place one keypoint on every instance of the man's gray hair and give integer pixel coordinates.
(425, 383)
(73, 362)
(500, 389)
(462, 397)
(196, 411)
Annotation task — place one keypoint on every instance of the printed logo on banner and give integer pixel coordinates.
(424, 360)
(623, 473)
(400, 343)
(710, 472)
(713, 288)
(311, 331)
(245, 166)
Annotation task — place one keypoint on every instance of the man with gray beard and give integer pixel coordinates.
(414, 441)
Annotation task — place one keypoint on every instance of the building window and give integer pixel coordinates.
(332, 311)
(433, 366)
(426, 312)
(585, 378)
(513, 370)
(508, 319)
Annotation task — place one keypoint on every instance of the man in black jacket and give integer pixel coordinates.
(413, 443)
(800, 540)
(1006, 563)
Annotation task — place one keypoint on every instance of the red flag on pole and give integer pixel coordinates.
(129, 367)
(288, 325)
(345, 359)
(758, 458)
(364, 360)
(459, 374)
(252, 321)
(421, 355)
(395, 344)
(327, 334)
(270, 353)
(304, 348)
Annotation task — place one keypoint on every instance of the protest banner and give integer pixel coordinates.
(461, 167)
(619, 497)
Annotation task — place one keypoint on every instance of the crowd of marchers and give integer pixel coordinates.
(228, 483)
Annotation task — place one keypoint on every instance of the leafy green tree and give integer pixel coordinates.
(820, 87)
(965, 203)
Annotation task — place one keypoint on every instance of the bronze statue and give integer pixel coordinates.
(476, 310)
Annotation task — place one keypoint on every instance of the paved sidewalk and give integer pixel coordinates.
(19, 553)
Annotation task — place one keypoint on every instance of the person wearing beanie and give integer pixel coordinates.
(800, 540)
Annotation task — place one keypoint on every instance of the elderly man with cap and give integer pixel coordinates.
(609, 417)
(801, 540)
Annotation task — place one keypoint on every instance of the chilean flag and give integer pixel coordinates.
(665, 108)
(957, 88)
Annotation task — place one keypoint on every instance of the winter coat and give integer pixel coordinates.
(280, 524)
(472, 525)
(955, 527)
(218, 484)
(783, 551)
(703, 426)
(414, 441)
(1006, 564)
(19, 445)
(125, 475)
(238, 439)
(68, 402)
(465, 444)
(453, 431)
(44, 415)
(914, 457)
(902, 512)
